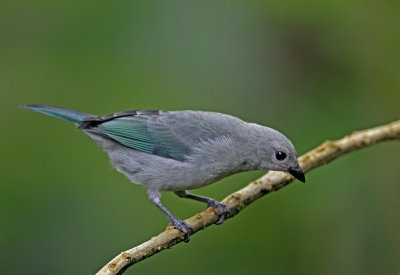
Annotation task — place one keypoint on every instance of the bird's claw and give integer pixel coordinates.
(183, 227)
(222, 210)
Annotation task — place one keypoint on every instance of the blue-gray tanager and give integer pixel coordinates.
(182, 150)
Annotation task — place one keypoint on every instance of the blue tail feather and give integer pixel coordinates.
(63, 113)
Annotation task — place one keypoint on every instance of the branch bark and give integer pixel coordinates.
(272, 181)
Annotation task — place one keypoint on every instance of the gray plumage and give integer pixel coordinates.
(182, 150)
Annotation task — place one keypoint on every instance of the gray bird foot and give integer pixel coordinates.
(183, 227)
(222, 210)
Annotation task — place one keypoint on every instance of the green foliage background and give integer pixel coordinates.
(315, 70)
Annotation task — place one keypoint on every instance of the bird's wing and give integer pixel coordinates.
(165, 134)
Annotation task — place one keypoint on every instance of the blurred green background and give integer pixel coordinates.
(314, 70)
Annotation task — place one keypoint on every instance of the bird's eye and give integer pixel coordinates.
(280, 155)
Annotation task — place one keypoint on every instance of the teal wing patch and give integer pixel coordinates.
(134, 132)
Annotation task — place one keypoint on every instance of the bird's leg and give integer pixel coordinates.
(154, 197)
(222, 209)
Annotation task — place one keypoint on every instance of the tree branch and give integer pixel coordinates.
(271, 181)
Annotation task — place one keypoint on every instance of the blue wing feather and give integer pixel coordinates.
(134, 132)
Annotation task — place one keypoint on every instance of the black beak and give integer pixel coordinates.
(297, 173)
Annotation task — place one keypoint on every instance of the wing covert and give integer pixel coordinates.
(165, 134)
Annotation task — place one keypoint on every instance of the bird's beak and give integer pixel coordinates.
(297, 173)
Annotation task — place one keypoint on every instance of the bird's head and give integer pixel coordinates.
(276, 152)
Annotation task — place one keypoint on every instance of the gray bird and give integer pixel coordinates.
(182, 150)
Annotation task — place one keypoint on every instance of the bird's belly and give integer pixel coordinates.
(165, 174)
(181, 178)
(159, 173)
(189, 178)
(187, 184)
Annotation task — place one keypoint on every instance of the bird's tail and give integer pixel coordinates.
(67, 114)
